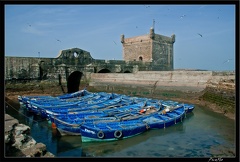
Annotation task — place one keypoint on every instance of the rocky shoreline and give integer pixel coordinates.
(19, 143)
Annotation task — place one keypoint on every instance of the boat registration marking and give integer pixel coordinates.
(89, 131)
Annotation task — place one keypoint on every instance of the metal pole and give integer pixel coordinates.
(153, 23)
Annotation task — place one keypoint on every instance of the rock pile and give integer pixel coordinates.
(18, 143)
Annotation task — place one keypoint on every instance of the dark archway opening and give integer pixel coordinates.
(127, 71)
(43, 72)
(104, 71)
(73, 81)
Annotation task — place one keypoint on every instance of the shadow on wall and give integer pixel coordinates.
(73, 81)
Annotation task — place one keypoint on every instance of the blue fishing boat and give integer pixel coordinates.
(188, 107)
(97, 98)
(23, 100)
(67, 123)
(109, 131)
(92, 107)
(166, 117)
(106, 116)
(26, 101)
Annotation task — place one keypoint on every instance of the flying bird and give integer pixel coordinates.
(200, 35)
(29, 25)
(58, 40)
(115, 42)
(182, 16)
(227, 61)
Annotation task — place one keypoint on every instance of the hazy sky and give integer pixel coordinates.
(33, 30)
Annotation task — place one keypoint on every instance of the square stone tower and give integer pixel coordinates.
(150, 48)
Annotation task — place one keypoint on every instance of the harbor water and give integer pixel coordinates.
(203, 133)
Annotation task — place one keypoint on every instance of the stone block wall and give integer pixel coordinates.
(136, 47)
(167, 80)
(19, 143)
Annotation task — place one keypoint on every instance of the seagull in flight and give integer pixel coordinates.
(227, 61)
(115, 42)
(58, 40)
(182, 16)
(200, 35)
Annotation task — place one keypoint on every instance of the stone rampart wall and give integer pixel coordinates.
(167, 80)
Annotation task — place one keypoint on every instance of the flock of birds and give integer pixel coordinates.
(146, 6)
(56, 39)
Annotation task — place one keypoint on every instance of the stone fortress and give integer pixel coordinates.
(150, 52)
(147, 68)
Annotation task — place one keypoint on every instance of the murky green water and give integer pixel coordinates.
(202, 133)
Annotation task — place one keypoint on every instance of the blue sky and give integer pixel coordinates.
(33, 30)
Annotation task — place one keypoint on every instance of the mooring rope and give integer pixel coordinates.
(22, 113)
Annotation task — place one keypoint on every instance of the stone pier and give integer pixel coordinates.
(18, 142)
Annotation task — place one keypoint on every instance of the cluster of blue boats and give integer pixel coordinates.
(102, 116)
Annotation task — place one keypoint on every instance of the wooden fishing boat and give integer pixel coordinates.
(109, 131)
(23, 100)
(97, 98)
(105, 116)
(166, 118)
(105, 107)
(92, 107)
(74, 129)
(116, 100)
(70, 124)
(188, 107)
(27, 101)
(59, 101)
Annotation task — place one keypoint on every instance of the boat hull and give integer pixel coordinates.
(109, 132)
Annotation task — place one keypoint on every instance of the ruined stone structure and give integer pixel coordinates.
(151, 52)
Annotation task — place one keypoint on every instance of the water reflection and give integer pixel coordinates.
(95, 149)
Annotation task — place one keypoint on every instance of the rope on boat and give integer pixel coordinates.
(22, 113)
(147, 126)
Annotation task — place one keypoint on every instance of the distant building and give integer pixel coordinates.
(154, 48)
